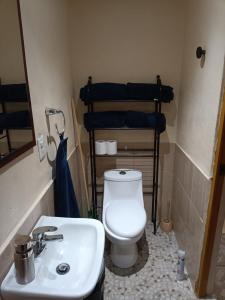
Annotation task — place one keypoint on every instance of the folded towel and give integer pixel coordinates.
(136, 119)
(103, 91)
(147, 91)
(132, 91)
(110, 119)
(131, 119)
(13, 92)
(15, 120)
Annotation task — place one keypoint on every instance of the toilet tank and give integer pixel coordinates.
(123, 184)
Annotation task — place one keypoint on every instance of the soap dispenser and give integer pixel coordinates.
(24, 259)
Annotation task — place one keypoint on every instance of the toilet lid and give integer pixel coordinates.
(126, 219)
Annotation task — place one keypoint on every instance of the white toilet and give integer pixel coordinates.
(124, 216)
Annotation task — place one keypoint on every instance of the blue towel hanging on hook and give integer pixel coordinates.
(65, 199)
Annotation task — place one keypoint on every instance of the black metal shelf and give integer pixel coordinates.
(130, 153)
(154, 153)
(125, 128)
(122, 100)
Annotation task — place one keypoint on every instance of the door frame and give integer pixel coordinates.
(214, 205)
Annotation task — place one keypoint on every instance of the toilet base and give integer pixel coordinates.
(124, 256)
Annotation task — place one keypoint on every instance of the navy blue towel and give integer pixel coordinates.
(131, 119)
(147, 91)
(110, 119)
(65, 199)
(137, 119)
(13, 92)
(130, 91)
(103, 91)
(15, 120)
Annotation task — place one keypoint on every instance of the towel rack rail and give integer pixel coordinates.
(53, 111)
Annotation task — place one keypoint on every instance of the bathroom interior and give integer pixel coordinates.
(110, 125)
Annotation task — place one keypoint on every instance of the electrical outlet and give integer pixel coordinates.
(42, 149)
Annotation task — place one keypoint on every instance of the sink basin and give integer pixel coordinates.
(82, 248)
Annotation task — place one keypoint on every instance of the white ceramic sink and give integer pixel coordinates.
(82, 248)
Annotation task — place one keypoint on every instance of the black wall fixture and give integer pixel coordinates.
(200, 52)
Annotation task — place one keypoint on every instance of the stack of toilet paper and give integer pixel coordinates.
(106, 147)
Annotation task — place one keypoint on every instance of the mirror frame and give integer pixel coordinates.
(31, 144)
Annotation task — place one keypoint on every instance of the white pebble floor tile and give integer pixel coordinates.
(153, 277)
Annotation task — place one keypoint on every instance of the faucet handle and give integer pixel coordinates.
(39, 238)
(40, 231)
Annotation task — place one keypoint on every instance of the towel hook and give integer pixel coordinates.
(200, 52)
(53, 111)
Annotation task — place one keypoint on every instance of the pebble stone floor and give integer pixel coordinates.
(153, 277)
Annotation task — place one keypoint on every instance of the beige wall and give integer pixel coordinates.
(129, 40)
(201, 87)
(22, 182)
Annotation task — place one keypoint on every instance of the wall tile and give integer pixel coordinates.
(206, 196)
(197, 192)
(179, 228)
(166, 193)
(51, 207)
(179, 165)
(194, 241)
(189, 207)
(187, 175)
(181, 201)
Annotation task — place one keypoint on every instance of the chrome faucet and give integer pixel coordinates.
(39, 238)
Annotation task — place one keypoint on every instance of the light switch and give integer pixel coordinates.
(42, 149)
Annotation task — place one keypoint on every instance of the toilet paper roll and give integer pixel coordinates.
(166, 225)
(111, 147)
(100, 147)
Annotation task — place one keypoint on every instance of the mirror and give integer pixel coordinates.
(16, 122)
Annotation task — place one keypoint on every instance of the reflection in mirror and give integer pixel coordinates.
(16, 129)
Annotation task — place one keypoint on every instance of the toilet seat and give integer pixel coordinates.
(125, 218)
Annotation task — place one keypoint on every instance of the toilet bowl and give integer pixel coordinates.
(124, 216)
